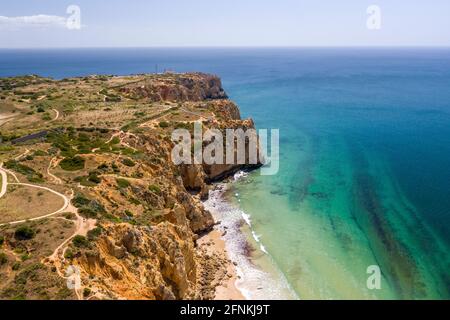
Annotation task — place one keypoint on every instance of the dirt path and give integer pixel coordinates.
(5, 119)
(52, 164)
(22, 155)
(4, 182)
(57, 115)
(82, 227)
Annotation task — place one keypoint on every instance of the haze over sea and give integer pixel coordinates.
(364, 156)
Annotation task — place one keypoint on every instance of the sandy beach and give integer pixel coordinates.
(227, 290)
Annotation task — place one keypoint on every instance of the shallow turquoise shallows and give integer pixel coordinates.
(364, 156)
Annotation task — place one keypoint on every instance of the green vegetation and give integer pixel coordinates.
(87, 207)
(122, 183)
(40, 153)
(94, 178)
(70, 143)
(163, 124)
(24, 233)
(72, 164)
(115, 140)
(5, 148)
(2, 240)
(86, 292)
(68, 254)
(80, 241)
(94, 233)
(80, 200)
(128, 162)
(3, 258)
(30, 173)
(90, 180)
(154, 188)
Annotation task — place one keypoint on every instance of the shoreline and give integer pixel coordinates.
(226, 290)
(254, 272)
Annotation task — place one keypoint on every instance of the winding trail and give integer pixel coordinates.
(57, 115)
(4, 182)
(4, 187)
(82, 225)
(22, 155)
(51, 175)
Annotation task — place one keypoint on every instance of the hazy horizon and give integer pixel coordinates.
(251, 23)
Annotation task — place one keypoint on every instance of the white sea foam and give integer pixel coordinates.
(253, 282)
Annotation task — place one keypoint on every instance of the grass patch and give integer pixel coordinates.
(122, 183)
(30, 173)
(72, 164)
(155, 189)
(128, 162)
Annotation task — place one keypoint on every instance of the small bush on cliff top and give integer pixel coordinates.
(154, 188)
(163, 124)
(128, 162)
(3, 258)
(122, 183)
(80, 241)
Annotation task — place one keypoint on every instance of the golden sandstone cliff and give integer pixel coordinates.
(109, 148)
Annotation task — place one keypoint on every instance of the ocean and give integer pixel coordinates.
(364, 175)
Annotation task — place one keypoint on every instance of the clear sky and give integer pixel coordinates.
(142, 23)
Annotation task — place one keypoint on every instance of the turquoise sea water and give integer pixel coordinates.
(364, 157)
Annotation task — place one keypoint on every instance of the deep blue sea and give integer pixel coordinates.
(364, 156)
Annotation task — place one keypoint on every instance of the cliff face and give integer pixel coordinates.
(136, 216)
(176, 87)
(160, 260)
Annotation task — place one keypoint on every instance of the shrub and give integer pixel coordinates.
(163, 124)
(2, 240)
(115, 140)
(94, 178)
(103, 166)
(80, 241)
(80, 200)
(128, 213)
(30, 173)
(3, 258)
(40, 153)
(154, 188)
(24, 233)
(115, 168)
(94, 233)
(72, 163)
(87, 212)
(122, 183)
(86, 292)
(128, 162)
(68, 254)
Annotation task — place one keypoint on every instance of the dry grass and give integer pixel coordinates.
(22, 202)
(23, 276)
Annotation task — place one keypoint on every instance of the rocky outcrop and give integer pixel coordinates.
(148, 248)
(176, 87)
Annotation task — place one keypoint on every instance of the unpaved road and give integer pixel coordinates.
(5, 183)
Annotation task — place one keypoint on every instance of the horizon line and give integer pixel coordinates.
(237, 47)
